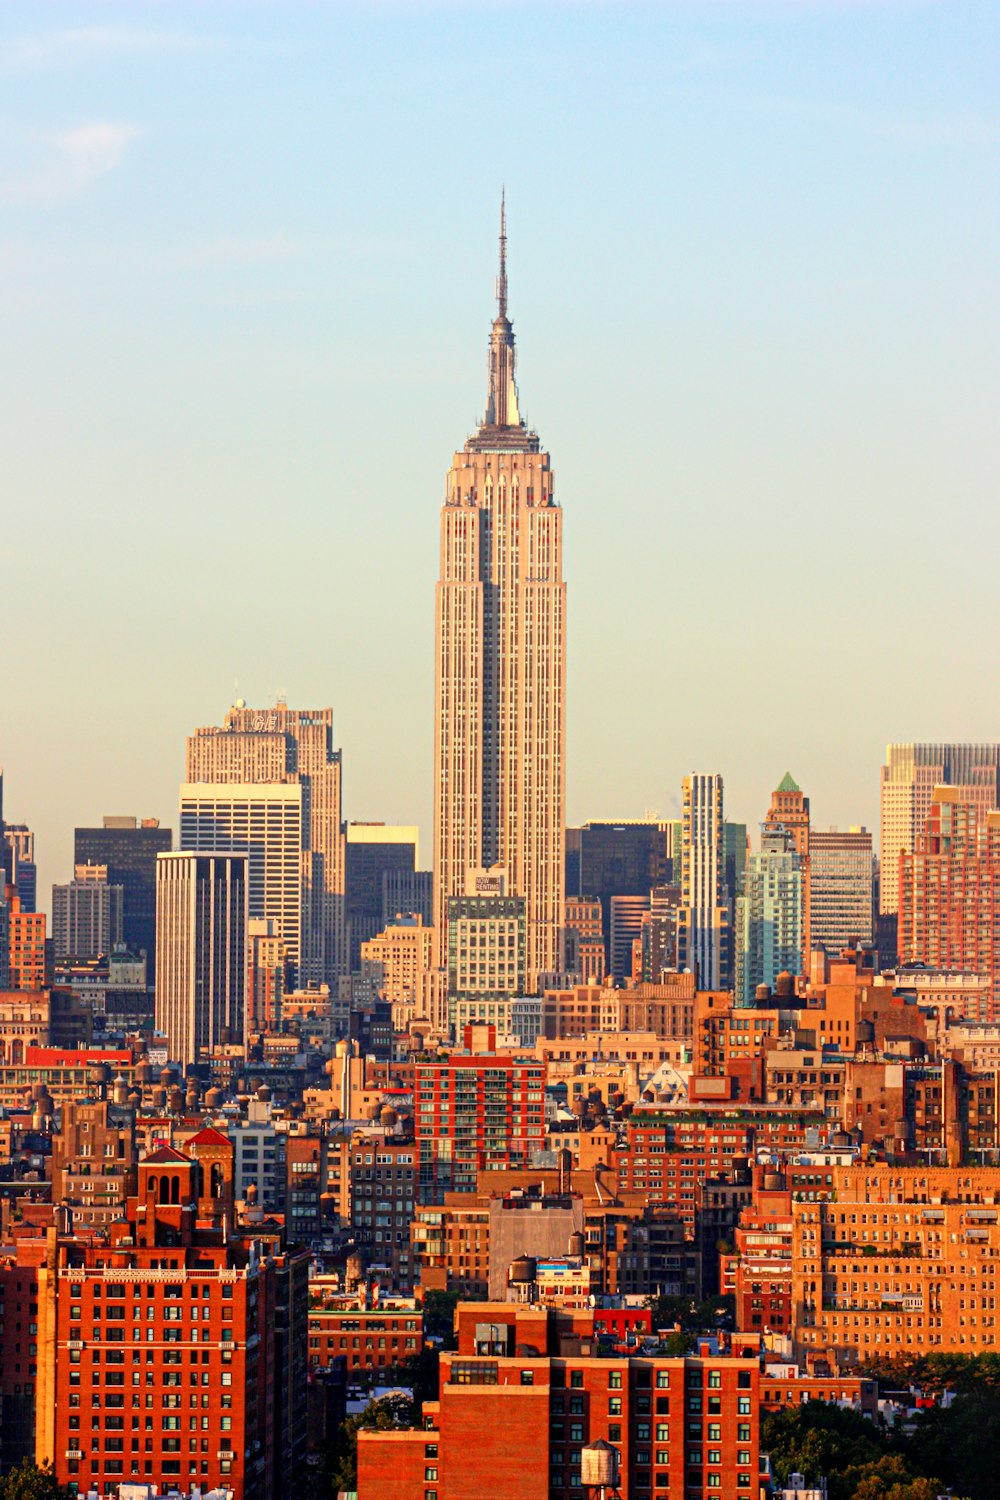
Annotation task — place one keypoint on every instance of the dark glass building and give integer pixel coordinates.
(129, 849)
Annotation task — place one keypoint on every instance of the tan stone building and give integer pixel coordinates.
(397, 961)
(899, 1260)
(500, 665)
(286, 749)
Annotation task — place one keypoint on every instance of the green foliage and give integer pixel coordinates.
(888, 1478)
(818, 1438)
(956, 1443)
(693, 1317)
(439, 1317)
(33, 1482)
(864, 1461)
(937, 1372)
(384, 1415)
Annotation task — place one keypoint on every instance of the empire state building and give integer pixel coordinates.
(500, 664)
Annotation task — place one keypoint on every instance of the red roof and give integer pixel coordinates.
(209, 1137)
(164, 1155)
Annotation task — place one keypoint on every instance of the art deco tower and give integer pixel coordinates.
(500, 664)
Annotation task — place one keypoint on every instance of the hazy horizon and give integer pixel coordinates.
(247, 270)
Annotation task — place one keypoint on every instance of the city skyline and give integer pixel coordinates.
(169, 424)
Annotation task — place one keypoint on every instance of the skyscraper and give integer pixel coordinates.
(625, 858)
(86, 915)
(500, 664)
(909, 776)
(20, 843)
(841, 874)
(769, 914)
(790, 810)
(703, 918)
(949, 890)
(373, 850)
(128, 849)
(201, 950)
(265, 757)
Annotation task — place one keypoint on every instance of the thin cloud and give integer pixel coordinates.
(68, 162)
(85, 44)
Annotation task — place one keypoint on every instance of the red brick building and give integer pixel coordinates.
(525, 1393)
(671, 1152)
(475, 1114)
(762, 1273)
(369, 1338)
(172, 1349)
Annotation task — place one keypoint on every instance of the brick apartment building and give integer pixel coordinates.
(527, 1391)
(172, 1350)
(383, 1195)
(475, 1114)
(897, 1260)
(368, 1338)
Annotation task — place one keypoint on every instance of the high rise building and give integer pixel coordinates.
(87, 915)
(486, 947)
(264, 821)
(703, 925)
(128, 849)
(790, 810)
(269, 976)
(408, 892)
(623, 858)
(584, 953)
(28, 966)
(949, 890)
(399, 961)
(201, 957)
(909, 776)
(627, 913)
(224, 1351)
(500, 664)
(659, 932)
(769, 916)
(841, 880)
(273, 756)
(476, 1114)
(20, 843)
(373, 851)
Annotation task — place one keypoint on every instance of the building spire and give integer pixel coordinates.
(501, 402)
(502, 278)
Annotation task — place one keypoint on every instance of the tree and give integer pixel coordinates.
(888, 1478)
(821, 1439)
(439, 1317)
(31, 1481)
(384, 1415)
(954, 1442)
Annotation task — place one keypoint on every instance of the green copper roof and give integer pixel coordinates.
(788, 783)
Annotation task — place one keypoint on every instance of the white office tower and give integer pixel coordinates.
(201, 951)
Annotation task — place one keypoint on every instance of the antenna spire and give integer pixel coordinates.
(502, 278)
(501, 403)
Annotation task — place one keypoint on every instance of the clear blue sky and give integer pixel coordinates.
(246, 270)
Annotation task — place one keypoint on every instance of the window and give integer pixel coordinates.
(576, 1379)
(743, 1406)
(615, 1380)
(527, 1378)
(576, 1432)
(714, 1379)
(662, 1380)
(614, 1406)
